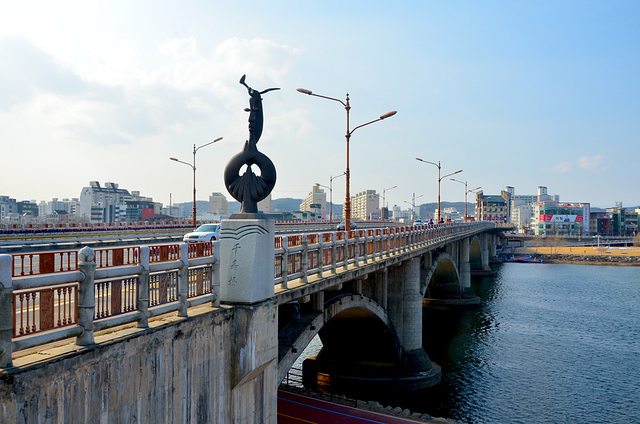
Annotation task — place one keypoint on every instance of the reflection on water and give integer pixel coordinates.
(550, 344)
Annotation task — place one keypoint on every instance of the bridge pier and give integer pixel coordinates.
(405, 311)
(484, 250)
(465, 271)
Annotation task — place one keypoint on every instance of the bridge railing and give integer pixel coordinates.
(51, 296)
(46, 297)
(304, 255)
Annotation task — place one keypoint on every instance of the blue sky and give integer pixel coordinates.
(514, 93)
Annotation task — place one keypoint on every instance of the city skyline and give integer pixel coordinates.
(520, 95)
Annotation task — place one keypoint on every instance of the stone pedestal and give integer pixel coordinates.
(247, 257)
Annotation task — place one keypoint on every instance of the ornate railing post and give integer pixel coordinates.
(320, 255)
(285, 261)
(356, 252)
(215, 276)
(345, 265)
(6, 311)
(366, 246)
(143, 288)
(304, 259)
(86, 296)
(183, 280)
(334, 252)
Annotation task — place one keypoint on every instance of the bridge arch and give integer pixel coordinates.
(475, 253)
(443, 279)
(346, 326)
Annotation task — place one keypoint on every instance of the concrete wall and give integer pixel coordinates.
(217, 366)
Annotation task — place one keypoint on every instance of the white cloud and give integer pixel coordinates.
(179, 49)
(562, 167)
(592, 163)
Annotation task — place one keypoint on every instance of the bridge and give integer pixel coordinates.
(196, 333)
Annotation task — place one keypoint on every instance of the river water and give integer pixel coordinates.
(551, 343)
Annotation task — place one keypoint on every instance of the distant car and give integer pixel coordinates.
(341, 226)
(205, 232)
(418, 222)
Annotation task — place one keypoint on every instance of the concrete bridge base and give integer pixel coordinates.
(219, 365)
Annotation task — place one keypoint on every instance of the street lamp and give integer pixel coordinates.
(465, 194)
(347, 201)
(384, 191)
(413, 206)
(193, 166)
(331, 193)
(330, 202)
(439, 179)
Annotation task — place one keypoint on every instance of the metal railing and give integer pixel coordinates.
(46, 297)
(305, 255)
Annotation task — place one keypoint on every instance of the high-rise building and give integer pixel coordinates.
(561, 219)
(315, 202)
(113, 204)
(495, 208)
(218, 204)
(7, 206)
(365, 205)
(265, 204)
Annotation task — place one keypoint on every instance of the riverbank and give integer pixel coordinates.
(584, 255)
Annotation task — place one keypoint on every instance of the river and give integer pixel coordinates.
(551, 343)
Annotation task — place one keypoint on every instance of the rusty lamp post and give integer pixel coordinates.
(439, 180)
(465, 194)
(384, 198)
(347, 201)
(193, 166)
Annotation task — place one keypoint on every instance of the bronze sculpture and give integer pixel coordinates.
(249, 188)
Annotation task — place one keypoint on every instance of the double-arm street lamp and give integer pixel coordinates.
(465, 194)
(347, 201)
(413, 207)
(193, 166)
(331, 194)
(440, 178)
(384, 192)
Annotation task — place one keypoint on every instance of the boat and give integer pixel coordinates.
(523, 259)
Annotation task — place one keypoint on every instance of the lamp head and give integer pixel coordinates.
(176, 159)
(304, 91)
(386, 115)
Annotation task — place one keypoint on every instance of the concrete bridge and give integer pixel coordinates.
(93, 336)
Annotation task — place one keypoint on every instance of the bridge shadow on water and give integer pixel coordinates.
(449, 336)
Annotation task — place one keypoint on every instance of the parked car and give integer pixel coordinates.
(205, 232)
(341, 226)
(418, 222)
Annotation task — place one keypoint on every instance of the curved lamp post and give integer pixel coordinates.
(330, 202)
(413, 207)
(331, 194)
(439, 179)
(384, 192)
(347, 201)
(465, 194)
(193, 166)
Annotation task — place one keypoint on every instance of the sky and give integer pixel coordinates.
(522, 94)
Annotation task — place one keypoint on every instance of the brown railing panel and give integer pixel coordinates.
(44, 309)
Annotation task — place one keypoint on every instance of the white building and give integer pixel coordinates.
(265, 204)
(315, 202)
(365, 205)
(401, 215)
(218, 204)
(523, 206)
(8, 206)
